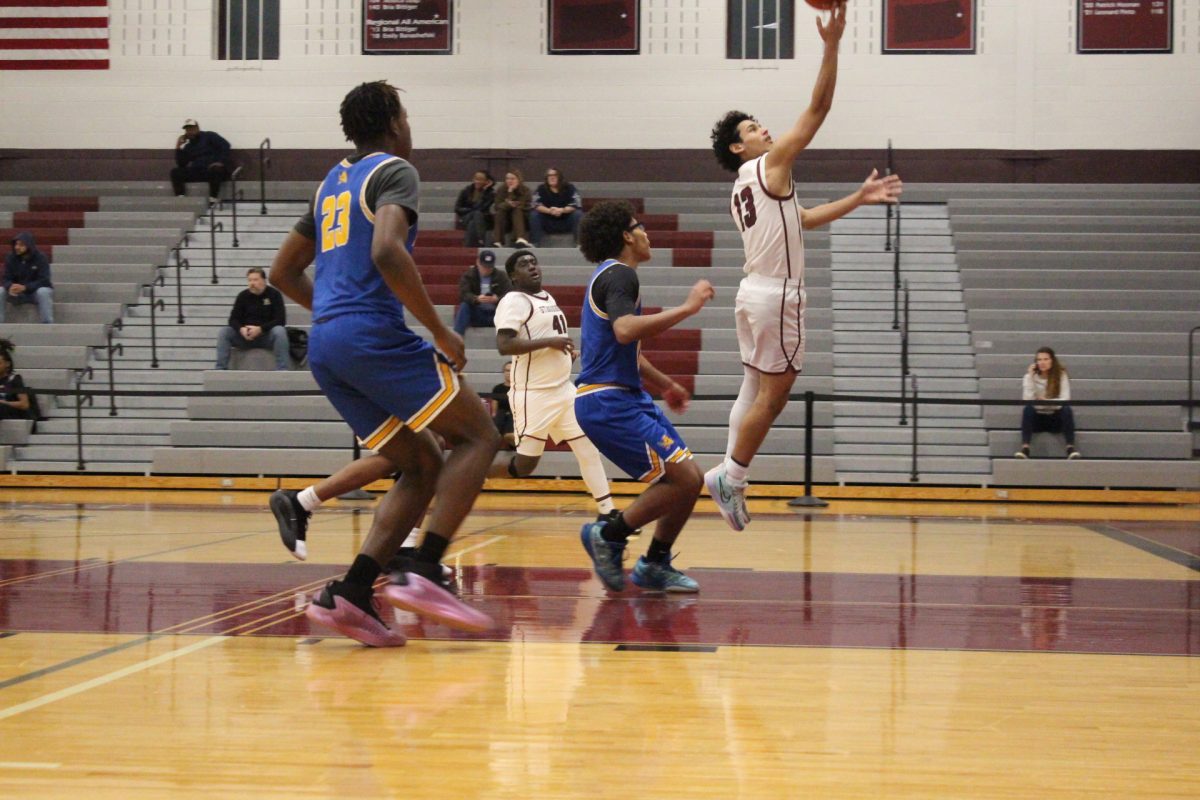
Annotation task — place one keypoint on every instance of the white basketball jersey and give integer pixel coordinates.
(535, 316)
(772, 234)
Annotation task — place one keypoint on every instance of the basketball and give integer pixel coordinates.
(823, 5)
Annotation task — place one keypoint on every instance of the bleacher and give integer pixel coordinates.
(1106, 275)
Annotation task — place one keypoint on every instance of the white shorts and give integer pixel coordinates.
(541, 414)
(770, 323)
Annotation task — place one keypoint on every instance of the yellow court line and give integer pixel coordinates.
(289, 614)
(115, 675)
(29, 765)
(248, 606)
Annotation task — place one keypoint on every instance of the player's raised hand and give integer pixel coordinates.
(702, 291)
(832, 31)
(452, 347)
(881, 190)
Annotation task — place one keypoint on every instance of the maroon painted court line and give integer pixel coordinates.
(568, 605)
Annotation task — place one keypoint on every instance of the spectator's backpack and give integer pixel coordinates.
(298, 345)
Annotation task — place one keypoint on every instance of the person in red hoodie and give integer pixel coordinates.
(27, 278)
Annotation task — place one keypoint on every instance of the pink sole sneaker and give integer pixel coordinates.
(349, 620)
(423, 597)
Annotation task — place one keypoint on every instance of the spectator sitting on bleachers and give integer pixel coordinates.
(16, 402)
(258, 319)
(502, 409)
(27, 278)
(200, 156)
(1047, 380)
(479, 290)
(512, 203)
(473, 208)
(557, 208)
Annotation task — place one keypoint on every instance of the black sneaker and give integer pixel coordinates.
(293, 521)
(610, 516)
(407, 556)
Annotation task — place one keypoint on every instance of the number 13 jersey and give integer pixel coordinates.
(770, 225)
(535, 316)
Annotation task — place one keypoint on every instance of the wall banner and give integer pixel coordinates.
(1125, 26)
(395, 27)
(929, 26)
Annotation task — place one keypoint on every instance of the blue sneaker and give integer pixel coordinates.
(656, 577)
(607, 557)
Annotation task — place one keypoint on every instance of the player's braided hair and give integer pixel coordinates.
(725, 133)
(368, 110)
(602, 230)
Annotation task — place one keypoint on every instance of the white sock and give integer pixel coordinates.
(591, 468)
(745, 399)
(309, 500)
(735, 471)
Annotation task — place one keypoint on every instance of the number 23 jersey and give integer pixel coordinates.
(770, 225)
(535, 316)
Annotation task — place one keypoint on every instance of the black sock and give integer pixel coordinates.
(616, 529)
(363, 571)
(433, 547)
(512, 467)
(659, 553)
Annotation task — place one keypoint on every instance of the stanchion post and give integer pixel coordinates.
(913, 477)
(887, 244)
(356, 494)
(79, 398)
(808, 501)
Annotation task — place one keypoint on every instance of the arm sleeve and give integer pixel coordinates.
(396, 184)
(1064, 388)
(511, 313)
(462, 205)
(43, 279)
(619, 292)
(221, 147)
(1027, 391)
(237, 316)
(465, 293)
(278, 310)
(306, 226)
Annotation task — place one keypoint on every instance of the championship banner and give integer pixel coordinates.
(1126, 26)
(394, 27)
(594, 26)
(929, 26)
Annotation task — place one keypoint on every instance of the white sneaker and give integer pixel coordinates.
(729, 497)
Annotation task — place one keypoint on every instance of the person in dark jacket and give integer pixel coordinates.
(473, 208)
(479, 290)
(27, 278)
(16, 402)
(258, 319)
(200, 156)
(557, 207)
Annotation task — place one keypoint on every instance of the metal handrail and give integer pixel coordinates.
(213, 227)
(111, 349)
(155, 304)
(808, 500)
(913, 476)
(887, 244)
(904, 366)
(264, 161)
(1192, 424)
(234, 196)
(181, 264)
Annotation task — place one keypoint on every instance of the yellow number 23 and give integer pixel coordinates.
(335, 221)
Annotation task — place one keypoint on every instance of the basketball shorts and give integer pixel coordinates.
(380, 376)
(542, 414)
(769, 314)
(630, 430)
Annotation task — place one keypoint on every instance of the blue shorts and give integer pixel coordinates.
(380, 376)
(630, 430)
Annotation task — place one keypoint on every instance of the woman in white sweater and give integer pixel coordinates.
(1047, 380)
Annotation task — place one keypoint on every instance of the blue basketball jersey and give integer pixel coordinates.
(346, 279)
(604, 359)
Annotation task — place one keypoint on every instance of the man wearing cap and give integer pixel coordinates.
(479, 290)
(200, 156)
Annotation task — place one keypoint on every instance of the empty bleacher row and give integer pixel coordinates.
(1008, 245)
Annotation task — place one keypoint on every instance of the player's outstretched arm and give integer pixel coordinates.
(509, 344)
(634, 328)
(874, 190)
(783, 153)
(287, 268)
(399, 272)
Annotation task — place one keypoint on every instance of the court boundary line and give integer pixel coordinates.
(1149, 546)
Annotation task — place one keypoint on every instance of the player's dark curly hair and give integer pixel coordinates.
(368, 110)
(725, 133)
(511, 263)
(602, 230)
(6, 350)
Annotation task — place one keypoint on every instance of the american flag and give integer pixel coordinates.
(53, 34)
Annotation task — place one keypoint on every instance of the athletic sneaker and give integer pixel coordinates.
(656, 577)
(418, 587)
(408, 550)
(293, 521)
(729, 497)
(1022, 453)
(353, 611)
(1072, 453)
(607, 557)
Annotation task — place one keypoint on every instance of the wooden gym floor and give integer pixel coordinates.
(151, 646)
